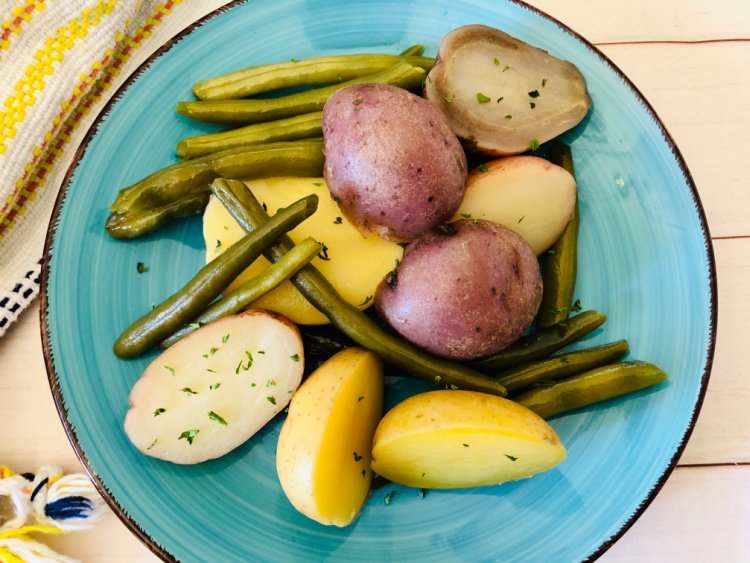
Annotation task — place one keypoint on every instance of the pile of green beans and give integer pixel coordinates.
(187, 303)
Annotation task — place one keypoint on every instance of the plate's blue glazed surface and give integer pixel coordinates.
(644, 260)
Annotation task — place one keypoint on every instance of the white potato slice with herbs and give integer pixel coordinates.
(323, 452)
(214, 389)
(501, 95)
(529, 195)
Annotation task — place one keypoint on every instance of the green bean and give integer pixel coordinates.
(591, 387)
(415, 50)
(305, 72)
(561, 366)
(209, 282)
(289, 129)
(187, 179)
(542, 343)
(131, 225)
(559, 263)
(243, 112)
(346, 317)
(242, 297)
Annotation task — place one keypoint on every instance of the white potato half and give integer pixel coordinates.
(352, 263)
(323, 453)
(215, 388)
(527, 194)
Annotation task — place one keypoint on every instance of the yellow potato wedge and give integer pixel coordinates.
(527, 194)
(453, 439)
(352, 263)
(323, 452)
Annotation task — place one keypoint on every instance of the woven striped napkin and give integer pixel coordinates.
(60, 61)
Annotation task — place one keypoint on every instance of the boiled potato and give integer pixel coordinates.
(392, 161)
(527, 194)
(215, 388)
(450, 439)
(462, 292)
(352, 263)
(501, 95)
(323, 452)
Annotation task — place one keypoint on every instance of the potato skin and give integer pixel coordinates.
(392, 161)
(462, 292)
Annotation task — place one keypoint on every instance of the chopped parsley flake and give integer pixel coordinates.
(215, 417)
(388, 497)
(218, 244)
(357, 101)
(361, 397)
(482, 99)
(261, 351)
(422, 493)
(465, 445)
(509, 116)
(323, 254)
(532, 105)
(169, 369)
(140, 267)
(500, 99)
(483, 168)
(271, 399)
(438, 378)
(317, 184)
(189, 391)
(449, 99)
(544, 82)
(194, 326)
(214, 386)
(496, 61)
(510, 457)
(247, 366)
(189, 435)
(357, 457)
(403, 244)
(158, 411)
(454, 387)
(152, 444)
(338, 221)
(366, 300)
(294, 357)
(270, 383)
(522, 218)
(534, 94)
(224, 338)
(576, 306)
(506, 67)
(466, 215)
(534, 144)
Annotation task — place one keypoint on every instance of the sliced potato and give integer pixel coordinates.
(214, 389)
(323, 452)
(527, 194)
(501, 95)
(352, 263)
(452, 439)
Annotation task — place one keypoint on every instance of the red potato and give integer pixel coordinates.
(392, 162)
(501, 95)
(463, 292)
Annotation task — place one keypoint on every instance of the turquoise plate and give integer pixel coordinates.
(645, 260)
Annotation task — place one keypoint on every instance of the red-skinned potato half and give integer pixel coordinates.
(503, 96)
(393, 163)
(466, 290)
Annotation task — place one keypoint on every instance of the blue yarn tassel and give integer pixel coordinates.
(69, 507)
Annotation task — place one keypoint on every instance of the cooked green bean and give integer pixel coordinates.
(305, 72)
(242, 297)
(591, 387)
(289, 129)
(346, 317)
(541, 343)
(413, 51)
(188, 179)
(243, 112)
(561, 366)
(131, 225)
(209, 282)
(559, 263)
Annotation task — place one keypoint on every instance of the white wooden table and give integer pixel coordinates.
(691, 59)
